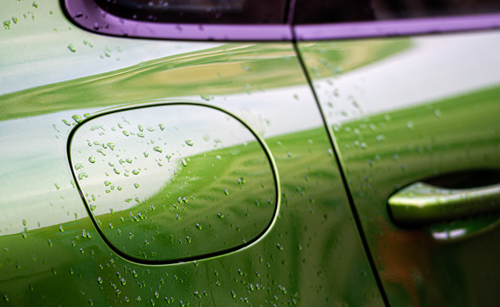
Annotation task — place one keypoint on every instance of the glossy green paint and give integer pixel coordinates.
(421, 203)
(53, 75)
(429, 109)
(174, 182)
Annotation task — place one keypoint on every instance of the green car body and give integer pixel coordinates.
(426, 112)
(333, 149)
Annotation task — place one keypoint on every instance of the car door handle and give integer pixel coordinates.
(421, 203)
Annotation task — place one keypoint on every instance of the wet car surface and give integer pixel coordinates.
(194, 172)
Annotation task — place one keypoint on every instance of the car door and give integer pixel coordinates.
(414, 119)
(75, 228)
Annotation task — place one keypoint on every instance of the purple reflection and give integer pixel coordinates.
(395, 27)
(86, 14)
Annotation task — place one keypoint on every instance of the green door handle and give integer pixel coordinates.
(421, 204)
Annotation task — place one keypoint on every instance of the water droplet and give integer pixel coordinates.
(189, 142)
(125, 133)
(146, 154)
(82, 175)
(198, 225)
(183, 162)
(241, 181)
(205, 97)
(91, 159)
(136, 185)
(409, 125)
(35, 4)
(135, 172)
(71, 48)
(6, 24)
(77, 118)
(157, 148)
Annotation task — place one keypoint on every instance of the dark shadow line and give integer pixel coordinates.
(344, 179)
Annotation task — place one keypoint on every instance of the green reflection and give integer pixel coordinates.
(421, 203)
(207, 185)
(327, 59)
(318, 243)
(201, 73)
(396, 123)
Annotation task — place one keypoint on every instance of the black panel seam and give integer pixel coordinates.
(344, 179)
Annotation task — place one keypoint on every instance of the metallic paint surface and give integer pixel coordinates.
(51, 254)
(402, 110)
(152, 201)
(421, 204)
